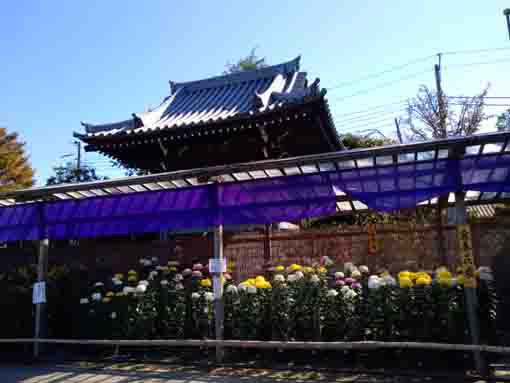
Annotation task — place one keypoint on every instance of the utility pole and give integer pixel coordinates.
(399, 133)
(506, 12)
(442, 200)
(440, 98)
(78, 160)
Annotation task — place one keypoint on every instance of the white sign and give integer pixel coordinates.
(217, 265)
(39, 293)
(217, 288)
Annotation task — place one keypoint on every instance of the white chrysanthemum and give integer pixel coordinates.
(164, 282)
(141, 289)
(178, 277)
(363, 269)
(292, 278)
(145, 262)
(113, 315)
(242, 287)
(332, 293)
(84, 301)
(251, 289)
(279, 278)
(99, 284)
(143, 283)
(374, 282)
(155, 259)
(327, 261)
(196, 274)
(96, 296)
(209, 297)
(299, 274)
(345, 289)
(388, 280)
(160, 268)
(356, 274)
(351, 294)
(128, 290)
(231, 289)
(348, 267)
(195, 295)
(116, 282)
(179, 286)
(339, 275)
(315, 279)
(485, 273)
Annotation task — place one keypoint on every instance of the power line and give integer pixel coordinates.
(375, 107)
(471, 51)
(383, 85)
(378, 74)
(485, 97)
(371, 116)
(477, 63)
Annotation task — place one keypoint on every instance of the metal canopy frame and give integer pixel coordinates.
(477, 146)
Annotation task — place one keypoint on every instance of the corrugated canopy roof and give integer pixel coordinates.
(384, 179)
(217, 99)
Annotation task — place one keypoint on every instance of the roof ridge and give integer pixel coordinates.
(211, 82)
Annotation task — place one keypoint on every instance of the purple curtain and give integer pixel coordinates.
(382, 188)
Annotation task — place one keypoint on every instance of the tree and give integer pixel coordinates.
(435, 122)
(15, 170)
(503, 121)
(250, 62)
(355, 141)
(70, 173)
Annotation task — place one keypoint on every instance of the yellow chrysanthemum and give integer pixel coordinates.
(405, 282)
(322, 270)
(132, 272)
(173, 263)
(423, 281)
(262, 284)
(206, 282)
(165, 268)
(132, 278)
(279, 268)
(119, 276)
(404, 274)
(385, 274)
(120, 294)
(295, 267)
(250, 282)
(172, 268)
(308, 269)
(444, 274)
(110, 294)
(422, 274)
(460, 279)
(260, 278)
(107, 300)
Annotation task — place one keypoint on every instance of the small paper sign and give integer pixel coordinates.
(39, 293)
(217, 265)
(217, 288)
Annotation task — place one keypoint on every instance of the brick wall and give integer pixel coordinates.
(399, 247)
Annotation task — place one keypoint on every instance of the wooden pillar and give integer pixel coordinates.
(218, 292)
(40, 308)
(267, 244)
(465, 257)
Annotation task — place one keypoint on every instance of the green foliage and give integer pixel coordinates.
(354, 141)
(15, 169)
(70, 173)
(503, 121)
(249, 62)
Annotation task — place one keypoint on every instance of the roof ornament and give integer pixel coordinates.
(172, 86)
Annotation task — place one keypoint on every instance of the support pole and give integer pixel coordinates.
(465, 252)
(40, 308)
(218, 292)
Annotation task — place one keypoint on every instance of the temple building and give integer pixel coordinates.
(268, 113)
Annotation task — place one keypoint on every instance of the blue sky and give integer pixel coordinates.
(98, 61)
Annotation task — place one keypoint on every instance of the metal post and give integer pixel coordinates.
(40, 308)
(218, 292)
(506, 12)
(471, 298)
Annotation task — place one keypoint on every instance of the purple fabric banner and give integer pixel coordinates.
(382, 188)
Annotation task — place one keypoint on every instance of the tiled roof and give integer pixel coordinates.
(221, 98)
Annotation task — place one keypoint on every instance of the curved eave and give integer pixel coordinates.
(204, 125)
